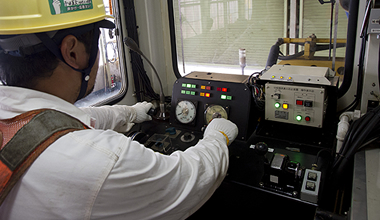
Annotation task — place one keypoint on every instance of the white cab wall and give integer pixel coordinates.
(154, 39)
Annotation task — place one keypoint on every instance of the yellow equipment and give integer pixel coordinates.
(311, 45)
(33, 16)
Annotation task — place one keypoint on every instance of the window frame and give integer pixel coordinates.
(115, 11)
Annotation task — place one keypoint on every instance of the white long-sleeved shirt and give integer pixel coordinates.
(102, 174)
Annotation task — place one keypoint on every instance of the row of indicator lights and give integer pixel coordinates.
(205, 87)
(188, 85)
(226, 97)
(223, 97)
(286, 106)
(194, 86)
(281, 77)
(188, 92)
(298, 102)
(205, 94)
(219, 89)
(299, 118)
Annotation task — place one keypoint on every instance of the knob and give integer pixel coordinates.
(261, 148)
(187, 137)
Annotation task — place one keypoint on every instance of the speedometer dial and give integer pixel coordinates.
(185, 112)
(215, 111)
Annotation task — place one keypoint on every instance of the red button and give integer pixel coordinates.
(307, 118)
(224, 89)
(299, 102)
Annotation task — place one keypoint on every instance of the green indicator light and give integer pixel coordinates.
(183, 91)
(193, 86)
(223, 97)
(229, 97)
(187, 92)
(184, 85)
(192, 93)
(298, 117)
(188, 85)
(277, 105)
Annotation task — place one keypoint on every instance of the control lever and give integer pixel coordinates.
(152, 112)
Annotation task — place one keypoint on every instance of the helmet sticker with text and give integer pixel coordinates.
(66, 6)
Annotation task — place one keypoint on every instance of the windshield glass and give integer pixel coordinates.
(235, 37)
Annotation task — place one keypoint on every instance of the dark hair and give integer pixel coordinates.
(25, 71)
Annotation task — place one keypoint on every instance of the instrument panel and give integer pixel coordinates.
(200, 97)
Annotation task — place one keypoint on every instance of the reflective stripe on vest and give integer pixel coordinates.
(24, 137)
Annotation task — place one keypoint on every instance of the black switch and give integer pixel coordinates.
(310, 186)
(308, 103)
(312, 176)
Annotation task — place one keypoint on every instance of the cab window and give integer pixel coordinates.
(110, 82)
(210, 34)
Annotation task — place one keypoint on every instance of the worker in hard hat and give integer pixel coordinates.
(61, 162)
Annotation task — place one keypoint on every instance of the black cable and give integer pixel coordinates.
(318, 155)
(359, 84)
(327, 47)
(362, 132)
(350, 47)
(143, 88)
(290, 57)
(363, 36)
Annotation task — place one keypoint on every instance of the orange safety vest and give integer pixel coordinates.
(24, 137)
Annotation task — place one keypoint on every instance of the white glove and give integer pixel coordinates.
(142, 109)
(221, 125)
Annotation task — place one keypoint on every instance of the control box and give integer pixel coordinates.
(299, 95)
(295, 104)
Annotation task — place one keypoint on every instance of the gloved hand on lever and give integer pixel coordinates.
(142, 109)
(119, 118)
(223, 126)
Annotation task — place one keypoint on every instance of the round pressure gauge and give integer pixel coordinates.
(185, 112)
(215, 111)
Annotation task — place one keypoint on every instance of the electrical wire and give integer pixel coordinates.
(315, 164)
(143, 88)
(257, 92)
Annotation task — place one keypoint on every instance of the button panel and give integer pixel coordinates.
(299, 105)
(310, 185)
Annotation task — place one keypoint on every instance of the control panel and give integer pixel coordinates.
(301, 105)
(200, 97)
(261, 159)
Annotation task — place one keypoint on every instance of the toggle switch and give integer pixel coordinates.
(276, 96)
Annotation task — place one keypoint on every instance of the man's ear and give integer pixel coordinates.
(74, 52)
